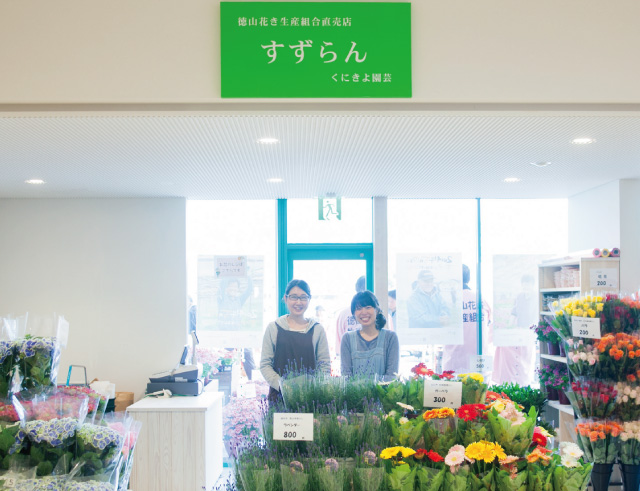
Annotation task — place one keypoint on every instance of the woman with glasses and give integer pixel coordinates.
(293, 342)
(372, 350)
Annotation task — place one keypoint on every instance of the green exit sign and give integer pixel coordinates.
(315, 49)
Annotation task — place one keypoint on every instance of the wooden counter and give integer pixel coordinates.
(180, 443)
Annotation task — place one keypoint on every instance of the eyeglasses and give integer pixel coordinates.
(295, 298)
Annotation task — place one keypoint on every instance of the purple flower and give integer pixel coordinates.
(369, 457)
(296, 466)
(331, 465)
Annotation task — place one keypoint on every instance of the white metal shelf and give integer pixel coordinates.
(559, 359)
(565, 408)
(560, 290)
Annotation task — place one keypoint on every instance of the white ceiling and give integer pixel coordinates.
(353, 155)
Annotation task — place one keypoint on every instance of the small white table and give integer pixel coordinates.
(180, 443)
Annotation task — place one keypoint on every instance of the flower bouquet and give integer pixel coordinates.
(12, 435)
(583, 358)
(592, 398)
(482, 455)
(599, 440)
(52, 418)
(458, 475)
(619, 357)
(37, 359)
(399, 476)
(392, 392)
(630, 454)
(567, 308)
(540, 472)
(126, 462)
(571, 473)
(368, 474)
(618, 315)
(474, 390)
(96, 403)
(473, 425)
(627, 401)
(47, 483)
(512, 474)
(52, 443)
(440, 430)
(405, 432)
(293, 476)
(330, 475)
(430, 470)
(7, 334)
(511, 428)
(99, 449)
(630, 443)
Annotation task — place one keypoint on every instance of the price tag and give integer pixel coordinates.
(586, 327)
(8, 482)
(603, 278)
(293, 426)
(441, 393)
(481, 364)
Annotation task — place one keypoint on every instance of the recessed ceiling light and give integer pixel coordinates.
(541, 164)
(268, 141)
(512, 179)
(582, 141)
(275, 179)
(34, 181)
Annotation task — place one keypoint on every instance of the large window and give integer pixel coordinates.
(242, 299)
(516, 236)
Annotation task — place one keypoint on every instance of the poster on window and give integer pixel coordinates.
(515, 298)
(429, 299)
(230, 301)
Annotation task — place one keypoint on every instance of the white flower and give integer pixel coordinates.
(627, 390)
(568, 461)
(583, 356)
(570, 449)
(403, 420)
(405, 406)
(625, 398)
(634, 394)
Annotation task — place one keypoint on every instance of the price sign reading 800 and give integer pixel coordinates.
(293, 426)
(440, 393)
(586, 327)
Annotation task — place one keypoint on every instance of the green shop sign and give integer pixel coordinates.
(315, 49)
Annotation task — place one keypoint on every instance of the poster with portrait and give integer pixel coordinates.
(515, 298)
(429, 299)
(230, 301)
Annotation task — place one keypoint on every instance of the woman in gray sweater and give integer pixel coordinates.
(293, 342)
(372, 350)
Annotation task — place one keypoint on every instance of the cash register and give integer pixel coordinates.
(184, 379)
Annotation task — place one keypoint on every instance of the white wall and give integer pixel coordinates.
(463, 51)
(115, 268)
(594, 218)
(607, 217)
(630, 234)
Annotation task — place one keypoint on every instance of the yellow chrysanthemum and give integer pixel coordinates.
(591, 313)
(499, 451)
(599, 307)
(578, 312)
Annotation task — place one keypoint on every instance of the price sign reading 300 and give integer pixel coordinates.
(440, 393)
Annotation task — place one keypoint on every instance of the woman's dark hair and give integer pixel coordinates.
(368, 299)
(303, 285)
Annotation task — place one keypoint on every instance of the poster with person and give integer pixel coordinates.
(230, 300)
(515, 310)
(429, 299)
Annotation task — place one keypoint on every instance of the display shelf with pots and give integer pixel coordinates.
(563, 278)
